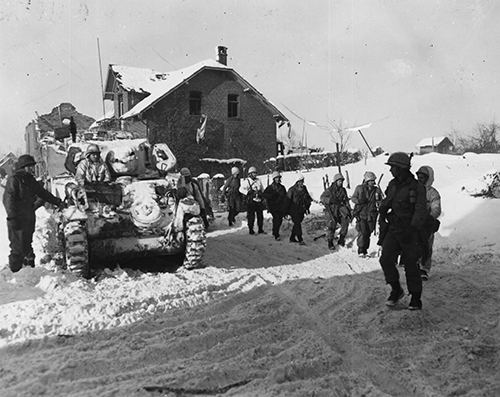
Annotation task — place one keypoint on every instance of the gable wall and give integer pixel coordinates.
(251, 136)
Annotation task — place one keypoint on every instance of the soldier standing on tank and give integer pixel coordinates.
(92, 169)
(277, 203)
(231, 190)
(402, 216)
(366, 199)
(336, 202)
(23, 195)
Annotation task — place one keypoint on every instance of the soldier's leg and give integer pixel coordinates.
(426, 265)
(344, 225)
(250, 217)
(330, 232)
(277, 220)
(298, 232)
(260, 217)
(29, 254)
(363, 236)
(388, 259)
(412, 271)
(16, 255)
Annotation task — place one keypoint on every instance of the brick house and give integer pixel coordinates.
(438, 144)
(237, 120)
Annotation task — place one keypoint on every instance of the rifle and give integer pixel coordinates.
(326, 184)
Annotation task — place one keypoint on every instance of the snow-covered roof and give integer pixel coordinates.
(158, 85)
(432, 141)
(108, 115)
(137, 79)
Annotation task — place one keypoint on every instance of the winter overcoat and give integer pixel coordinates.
(299, 201)
(404, 206)
(366, 199)
(20, 198)
(276, 198)
(88, 172)
(336, 201)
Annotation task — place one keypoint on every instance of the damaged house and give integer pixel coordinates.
(206, 110)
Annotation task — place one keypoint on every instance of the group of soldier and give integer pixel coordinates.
(406, 215)
(249, 195)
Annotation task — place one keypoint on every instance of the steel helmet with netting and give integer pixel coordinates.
(369, 176)
(399, 159)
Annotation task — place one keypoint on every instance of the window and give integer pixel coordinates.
(195, 102)
(120, 105)
(232, 105)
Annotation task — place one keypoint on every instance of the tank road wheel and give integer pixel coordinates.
(76, 248)
(196, 242)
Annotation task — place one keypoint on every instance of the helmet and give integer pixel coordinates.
(337, 177)
(369, 176)
(399, 159)
(185, 171)
(25, 160)
(235, 171)
(300, 177)
(92, 148)
(252, 169)
(276, 174)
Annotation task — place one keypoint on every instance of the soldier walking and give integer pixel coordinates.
(252, 188)
(402, 215)
(231, 190)
(276, 198)
(336, 202)
(366, 199)
(425, 175)
(299, 201)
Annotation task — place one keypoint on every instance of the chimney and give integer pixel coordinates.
(222, 55)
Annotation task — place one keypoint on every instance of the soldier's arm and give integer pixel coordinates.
(44, 194)
(81, 169)
(107, 174)
(356, 196)
(420, 213)
(10, 197)
(435, 204)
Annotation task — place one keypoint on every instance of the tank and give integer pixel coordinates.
(134, 216)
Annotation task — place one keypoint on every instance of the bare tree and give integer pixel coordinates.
(483, 140)
(338, 134)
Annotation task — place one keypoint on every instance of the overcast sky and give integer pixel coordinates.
(413, 69)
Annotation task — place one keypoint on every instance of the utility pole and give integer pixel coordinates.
(102, 84)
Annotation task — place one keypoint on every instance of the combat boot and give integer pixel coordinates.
(330, 244)
(396, 294)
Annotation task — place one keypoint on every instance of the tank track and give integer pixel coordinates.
(76, 248)
(196, 242)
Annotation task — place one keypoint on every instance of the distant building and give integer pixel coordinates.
(7, 163)
(206, 110)
(43, 143)
(438, 144)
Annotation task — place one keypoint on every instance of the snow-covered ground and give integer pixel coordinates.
(44, 302)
